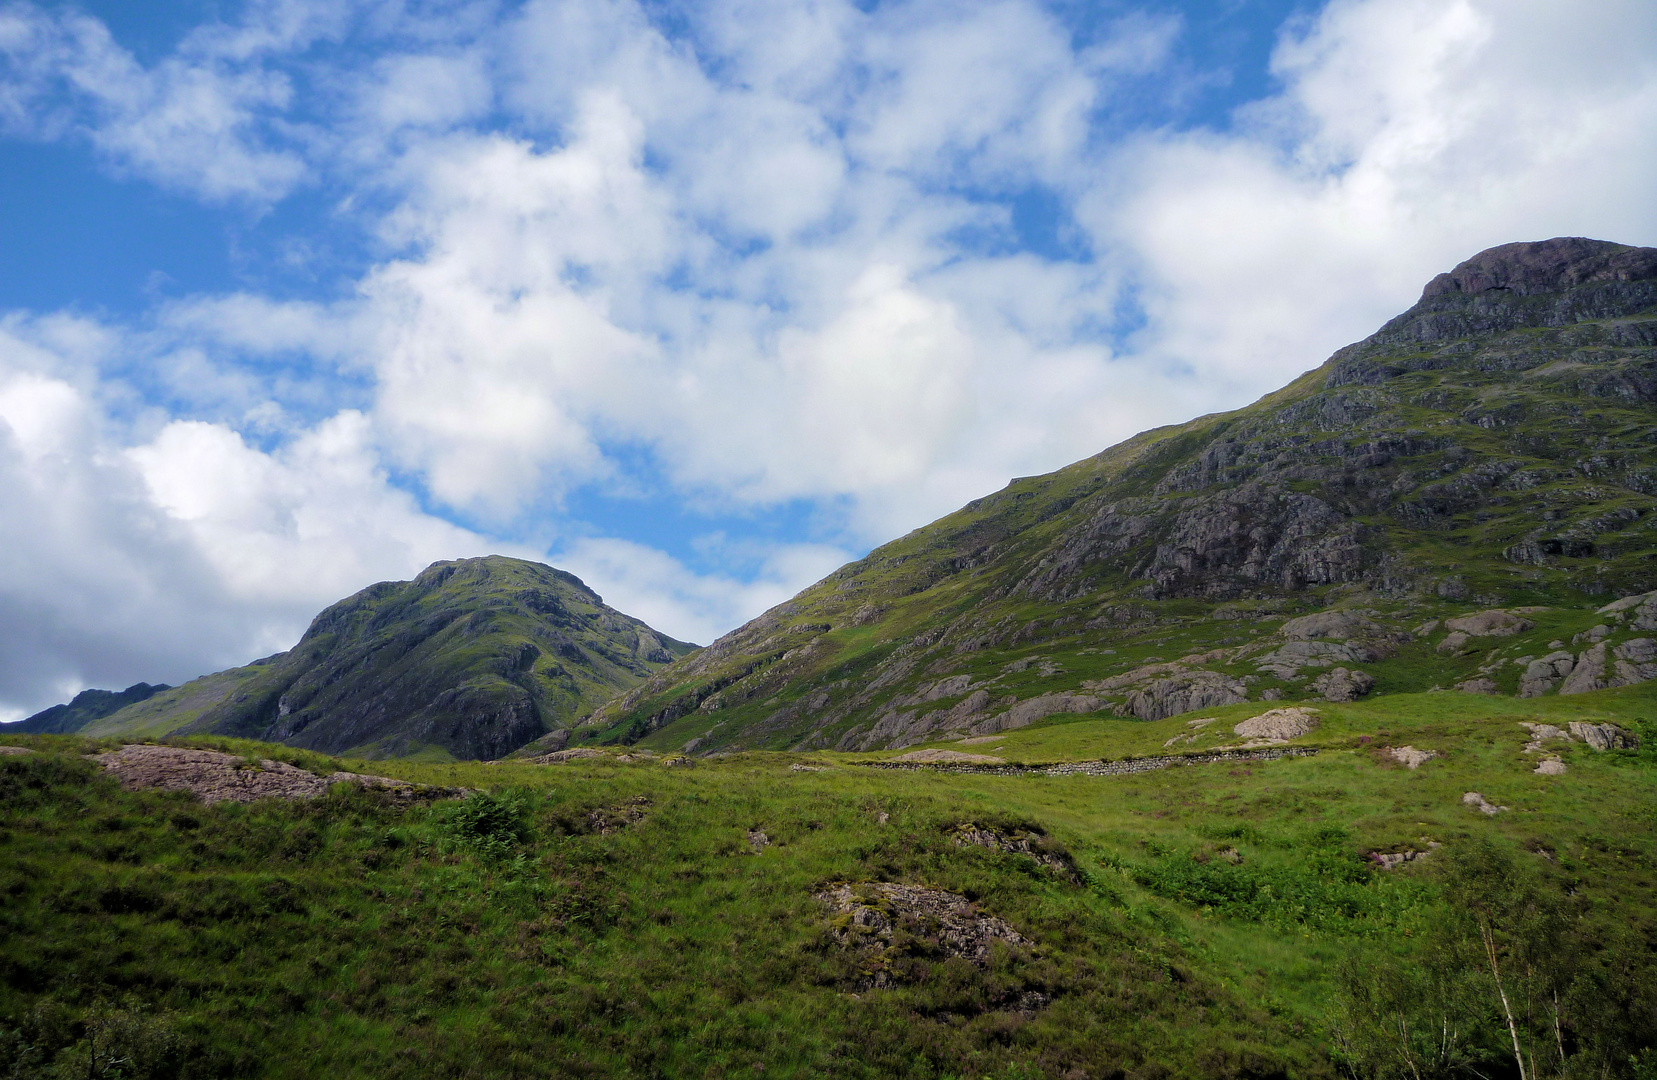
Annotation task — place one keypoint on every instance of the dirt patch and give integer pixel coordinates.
(892, 925)
(1278, 725)
(922, 757)
(1036, 847)
(15, 750)
(214, 777)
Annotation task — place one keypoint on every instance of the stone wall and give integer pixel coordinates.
(1105, 768)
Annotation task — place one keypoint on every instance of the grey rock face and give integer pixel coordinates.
(1544, 674)
(1605, 736)
(1589, 672)
(1328, 624)
(1546, 266)
(1636, 662)
(1286, 661)
(1343, 685)
(1028, 712)
(1185, 692)
(1490, 624)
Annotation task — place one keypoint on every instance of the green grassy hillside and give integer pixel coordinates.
(1493, 447)
(629, 915)
(472, 659)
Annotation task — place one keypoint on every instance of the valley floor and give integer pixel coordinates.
(802, 915)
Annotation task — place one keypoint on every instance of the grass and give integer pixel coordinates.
(512, 935)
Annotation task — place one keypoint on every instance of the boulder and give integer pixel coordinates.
(1410, 757)
(1544, 674)
(1279, 725)
(1185, 693)
(1481, 804)
(1604, 736)
(1642, 609)
(1635, 662)
(1287, 660)
(1328, 624)
(1453, 642)
(1038, 708)
(1589, 672)
(1494, 623)
(1343, 685)
(1550, 767)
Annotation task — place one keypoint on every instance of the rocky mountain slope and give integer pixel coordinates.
(473, 659)
(87, 706)
(1449, 503)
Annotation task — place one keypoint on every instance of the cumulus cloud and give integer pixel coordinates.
(161, 558)
(1406, 137)
(193, 122)
(652, 585)
(780, 252)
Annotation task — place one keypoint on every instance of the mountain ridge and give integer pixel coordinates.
(472, 658)
(1490, 447)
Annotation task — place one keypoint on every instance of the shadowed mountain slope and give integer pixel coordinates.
(473, 659)
(1493, 448)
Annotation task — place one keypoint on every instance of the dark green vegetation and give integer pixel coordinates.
(1495, 446)
(624, 918)
(472, 659)
(87, 706)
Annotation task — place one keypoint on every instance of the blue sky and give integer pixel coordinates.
(696, 300)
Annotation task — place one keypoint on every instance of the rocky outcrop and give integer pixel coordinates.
(1546, 673)
(1343, 685)
(1279, 725)
(214, 777)
(1184, 693)
(1018, 842)
(1604, 736)
(1481, 804)
(1286, 661)
(876, 919)
(1489, 624)
(1028, 712)
(1410, 757)
(1640, 610)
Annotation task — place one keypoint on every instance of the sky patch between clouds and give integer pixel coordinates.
(792, 277)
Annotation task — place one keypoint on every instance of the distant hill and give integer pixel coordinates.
(471, 659)
(87, 706)
(1487, 457)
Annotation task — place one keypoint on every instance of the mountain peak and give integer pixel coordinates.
(1545, 266)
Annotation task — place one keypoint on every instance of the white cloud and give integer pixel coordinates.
(185, 553)
(661, 590)
(776, 250)
(192, 122)
(1407, 137)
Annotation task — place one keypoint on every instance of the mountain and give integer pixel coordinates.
(87, 706)
(473, 658)
(1446, 504)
